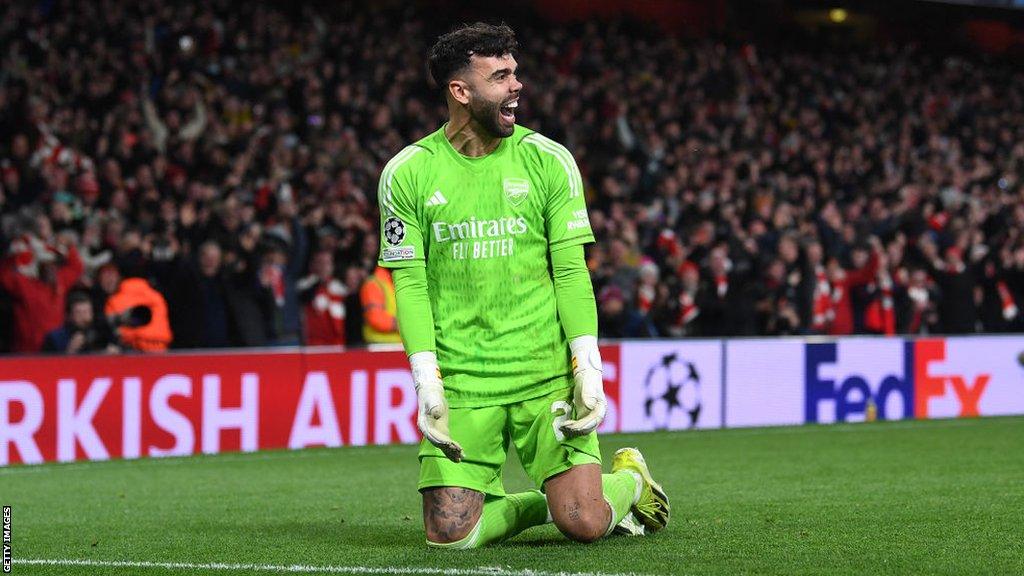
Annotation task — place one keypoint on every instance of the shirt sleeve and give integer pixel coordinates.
(415, 317)
(401, 240)
(565, 212)
(574, 292)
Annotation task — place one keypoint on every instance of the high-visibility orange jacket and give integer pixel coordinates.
(152, 337)
(380, 308)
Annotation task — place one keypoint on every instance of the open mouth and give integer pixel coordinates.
(508, 111)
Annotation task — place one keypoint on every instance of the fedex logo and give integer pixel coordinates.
(933, 386)
(899, 378)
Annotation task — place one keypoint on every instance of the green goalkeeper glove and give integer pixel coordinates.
(588, 393)
(432, 419)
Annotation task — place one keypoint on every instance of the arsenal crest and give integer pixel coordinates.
(516, 190)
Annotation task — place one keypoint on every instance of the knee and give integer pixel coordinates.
(583, 525)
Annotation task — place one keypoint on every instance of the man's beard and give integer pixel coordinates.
(487, 115)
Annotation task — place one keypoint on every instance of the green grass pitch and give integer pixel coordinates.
(938, 497)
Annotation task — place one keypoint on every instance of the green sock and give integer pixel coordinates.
(504, 517)
(620, 491)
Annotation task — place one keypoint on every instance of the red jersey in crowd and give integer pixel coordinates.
(842, 307)
(325, 315)
(823, 311)
(880, 314)
(38, 305)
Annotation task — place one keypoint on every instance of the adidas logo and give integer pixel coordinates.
(437, 199)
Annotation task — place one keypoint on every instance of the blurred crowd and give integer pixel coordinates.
(193, 175)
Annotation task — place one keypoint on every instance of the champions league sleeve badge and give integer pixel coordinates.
(394, 231)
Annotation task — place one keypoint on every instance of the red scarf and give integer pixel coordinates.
(688, 310)
(823, 312)
(1008, 306)
(645, 298)
(325, 315)
(880, 317)
(273, 278)
(722, 285)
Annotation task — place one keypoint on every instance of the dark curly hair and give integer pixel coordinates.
(450, 54)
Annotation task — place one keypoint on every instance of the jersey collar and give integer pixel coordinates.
(474, 163)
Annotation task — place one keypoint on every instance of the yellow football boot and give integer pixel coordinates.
(651, 509)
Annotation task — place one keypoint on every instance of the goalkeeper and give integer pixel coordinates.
(483, 223)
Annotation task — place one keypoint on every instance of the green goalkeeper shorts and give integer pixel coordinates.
(485, 434)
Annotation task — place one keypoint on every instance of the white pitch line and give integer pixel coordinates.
(304, 568)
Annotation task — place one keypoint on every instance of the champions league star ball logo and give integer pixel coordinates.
(672, 388)
(394, 231)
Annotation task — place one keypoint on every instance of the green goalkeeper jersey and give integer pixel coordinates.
(483, 228)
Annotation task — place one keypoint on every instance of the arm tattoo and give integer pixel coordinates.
(450, 512)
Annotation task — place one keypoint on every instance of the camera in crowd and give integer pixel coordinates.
(84, 332)
(131, 318)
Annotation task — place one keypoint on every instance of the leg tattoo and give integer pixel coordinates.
(449, 513)
(573, 510)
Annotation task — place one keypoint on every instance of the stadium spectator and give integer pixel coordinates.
(957, 282)
(354, 278)
(323, 298)
(765, 168)
(199, 295)
(844, 281)
(380, 309)
(282, 262)
(616, 320)
(37, 277)
(917, 313)
(108, 279)
(682, 312)
(151, 336)
(81, 332)
(726, 299)
(254, 307)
